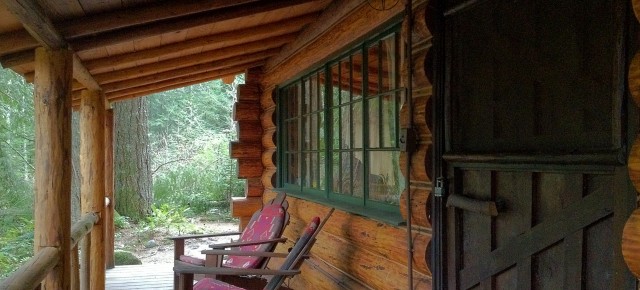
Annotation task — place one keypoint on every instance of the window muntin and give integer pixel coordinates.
(345, 116)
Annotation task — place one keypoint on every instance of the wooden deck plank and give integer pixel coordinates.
(147, 276)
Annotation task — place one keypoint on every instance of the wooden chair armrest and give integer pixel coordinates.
(183, 268)
(250, 243)
(244, 253)
(187, 237)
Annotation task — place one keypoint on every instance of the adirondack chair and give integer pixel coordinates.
(261, 234)
(290, 267)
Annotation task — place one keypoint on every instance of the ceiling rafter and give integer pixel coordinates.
(173, 25)
(33, 18)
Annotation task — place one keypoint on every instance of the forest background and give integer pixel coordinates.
(171, 161)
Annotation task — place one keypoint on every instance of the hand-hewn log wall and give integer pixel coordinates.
(631, 233)
(355, 252)
(247, 149)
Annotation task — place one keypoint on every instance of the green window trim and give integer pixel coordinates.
(338, 130)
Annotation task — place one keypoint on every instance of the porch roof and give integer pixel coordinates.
(134, 48)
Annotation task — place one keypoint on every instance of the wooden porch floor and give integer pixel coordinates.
(147, 276)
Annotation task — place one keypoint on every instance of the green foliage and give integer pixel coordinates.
(120, 221)
(165, 215)
(16, 244)
(126, 258)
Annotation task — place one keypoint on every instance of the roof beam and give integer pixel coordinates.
(190, 70)
(15, 41)
(259, 32)
(178, 24)
(223, 39)
(33, 18)
(214, 55)
(112, 20)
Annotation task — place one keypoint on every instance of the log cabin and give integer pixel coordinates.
(464, 143)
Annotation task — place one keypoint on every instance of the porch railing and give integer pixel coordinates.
(32, 272)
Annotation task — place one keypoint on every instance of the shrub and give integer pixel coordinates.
(126, 258)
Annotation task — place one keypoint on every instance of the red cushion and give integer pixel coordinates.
(267, 225)
(211, 284)
(192, 260)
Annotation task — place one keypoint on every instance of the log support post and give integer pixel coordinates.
(109, 213)
(53, 75)
(92, 181)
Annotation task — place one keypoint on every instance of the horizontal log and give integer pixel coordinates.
(420, 207)
(485, 207)
(254, 75)
(171, 83)
(16, 41)
(268, 118)
(421, 164)
(269, 138)
(421, 118)
(131, 16)
(633, 163)
(269, 177)
(18, 58)
(136, 81)
(241, 41)
(245, 150)
(248, 92)
(269, 158)
(167, 85)
(382, 239)
(249, 168)
(82, 227)
(246, 111)
(253, 187)
(32, 272)
(323, 276)
(375, 270)
(175, 25)
(249, 131)
(245, 206)
(631, 243)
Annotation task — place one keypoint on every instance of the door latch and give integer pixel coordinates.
(439, 189)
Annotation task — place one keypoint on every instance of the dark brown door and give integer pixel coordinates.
(536, 123)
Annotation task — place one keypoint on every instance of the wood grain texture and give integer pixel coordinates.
(633, 164)
(631, 243)
(420, 206)
(246, 111)
(245, 206)
(109, 184)
(92, 175)
(52, 106)
(634, 77)
(249, 131)
(249, 167)
(29, 275)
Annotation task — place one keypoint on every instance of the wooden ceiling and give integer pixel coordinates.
(132, 48)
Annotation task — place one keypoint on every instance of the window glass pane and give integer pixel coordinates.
(374, 122)
(292, 169)
(388, 121)
(357, 121)
(313, 91)
(346, 173)
(314, 170)
(385, 180)
(321, 92)
(321, 137)
(337, 172)
(345, 138)
(357, 63)
(335, 84)
(313, 133)
(388, 57)
(307, 132)
(306, 105)
(292, 135)
(307, 177)
(345, 80)
(336, 127)
(357, 168)
(373, 68)
(321, 173)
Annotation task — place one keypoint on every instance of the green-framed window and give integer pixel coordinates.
(338, 129)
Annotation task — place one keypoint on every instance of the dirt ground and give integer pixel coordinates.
(153, 247)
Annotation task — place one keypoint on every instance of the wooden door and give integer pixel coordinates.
(536, 122)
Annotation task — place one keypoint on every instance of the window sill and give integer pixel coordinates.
(393, 218)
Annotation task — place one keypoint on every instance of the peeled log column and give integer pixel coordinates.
(92, 176)
(52, 104)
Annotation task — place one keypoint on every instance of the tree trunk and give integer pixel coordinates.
(133, 193)
(75, 161)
